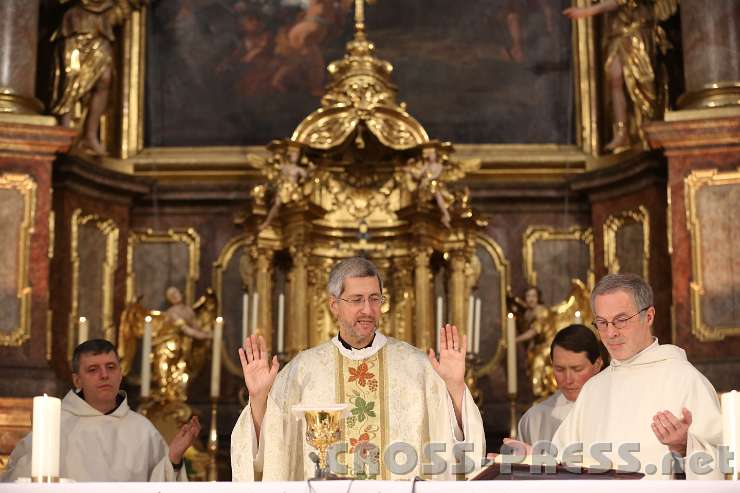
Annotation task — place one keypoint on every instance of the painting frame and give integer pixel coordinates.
(124, 130)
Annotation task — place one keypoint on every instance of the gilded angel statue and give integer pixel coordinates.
(430, 176)
(83, 63)
(538, 325)
(180, 341)
(289, 173)
(632, 41)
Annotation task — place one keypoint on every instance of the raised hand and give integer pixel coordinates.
(672, 431)
(451, 364)
(259, 375)
(184, 439)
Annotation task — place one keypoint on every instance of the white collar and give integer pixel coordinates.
(359, 354)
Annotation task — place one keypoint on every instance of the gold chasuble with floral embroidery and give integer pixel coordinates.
(396, 402)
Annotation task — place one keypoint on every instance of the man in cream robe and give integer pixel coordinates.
(576, 357)
(102, 439)
(120, 446)
(639, 397)
(399, 398)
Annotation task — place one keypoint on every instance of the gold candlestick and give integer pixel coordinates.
(213, 442)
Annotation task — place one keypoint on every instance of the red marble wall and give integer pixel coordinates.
(31, 149)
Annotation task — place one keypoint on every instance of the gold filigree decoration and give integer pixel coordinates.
(693, 184)
(187, 236)
(109, 229)
(25, 185)
(612, 225)
(533, 234)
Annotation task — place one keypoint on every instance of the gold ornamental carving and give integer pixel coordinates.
(110, 231)
(697, 181)
(534, 234)
(26, 187)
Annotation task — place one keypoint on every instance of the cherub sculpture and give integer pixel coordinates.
(430, 176)
(288, 170)
(633, 38)
(83, 63)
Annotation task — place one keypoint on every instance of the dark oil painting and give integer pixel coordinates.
(244, 72)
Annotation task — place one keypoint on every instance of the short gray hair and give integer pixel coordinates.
(351, 267)
(641, 292)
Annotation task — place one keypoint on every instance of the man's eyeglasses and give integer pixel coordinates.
(359, 300)
(618, 323)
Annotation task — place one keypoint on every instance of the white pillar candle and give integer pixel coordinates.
(45, 437)
(218, 333)
(245, 317)
(146, 358)
(731, 428)
(83, 330)
(440, 315)
(578, 317)
(471, 323)
(476, 328)
(255, 311)
(281, 324)
(510, 354)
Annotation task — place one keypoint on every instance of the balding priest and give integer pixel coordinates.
(102, 439)
(654, 410)
(576, 357)
(409, 413)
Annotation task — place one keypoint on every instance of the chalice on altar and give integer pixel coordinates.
(323, 429)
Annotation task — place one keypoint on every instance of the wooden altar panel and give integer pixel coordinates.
(714, 224)
(17, 204)
(158, 260)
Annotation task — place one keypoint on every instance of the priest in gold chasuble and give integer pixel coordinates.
(410, 414)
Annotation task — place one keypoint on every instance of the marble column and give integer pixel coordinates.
(19, 27)
(711, 37)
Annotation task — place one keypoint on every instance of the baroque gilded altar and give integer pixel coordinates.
(360, 176)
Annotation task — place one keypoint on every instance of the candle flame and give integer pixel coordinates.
(219, 319)
(510, 315)
(148, 319)
(83, 319)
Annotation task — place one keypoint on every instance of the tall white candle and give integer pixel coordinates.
(476, 328)
(440, 315)
(510, 354)
(578, 317)
(45, 437)
(245, 317)
(83, 330)
(146, 358)
(471, 323)
(218, 335)
(255, 311)
(281, 324)
(731, 428)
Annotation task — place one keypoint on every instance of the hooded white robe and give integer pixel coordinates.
(617, 407)
(120, 446)
(414, 407)
(542, 419)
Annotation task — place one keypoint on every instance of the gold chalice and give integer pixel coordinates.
(323, 429)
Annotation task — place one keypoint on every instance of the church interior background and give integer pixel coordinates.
(237, 149)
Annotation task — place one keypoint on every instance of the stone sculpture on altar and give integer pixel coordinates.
(83, 63)
(632, 43)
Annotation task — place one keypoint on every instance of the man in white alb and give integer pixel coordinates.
(398, 396)
(576, 357)
(649, 398)
(102, 439)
